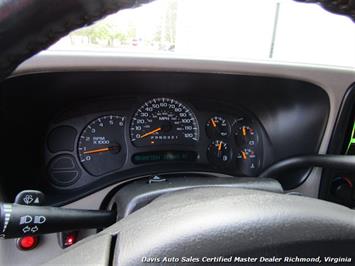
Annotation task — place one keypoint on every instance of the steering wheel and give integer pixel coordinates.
(222, 225)
(199, 225)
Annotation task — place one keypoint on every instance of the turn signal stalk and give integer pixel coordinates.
(19, 220)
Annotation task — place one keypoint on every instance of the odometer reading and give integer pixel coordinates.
(164, 121)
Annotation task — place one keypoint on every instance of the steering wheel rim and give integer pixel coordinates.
(30, 26)
(221, 222)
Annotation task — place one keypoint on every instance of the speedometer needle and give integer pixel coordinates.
(96, 150)
(150, 132)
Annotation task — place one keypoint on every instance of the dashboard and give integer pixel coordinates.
(86, 130)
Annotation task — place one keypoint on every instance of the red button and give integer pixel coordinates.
(27, 242)
(70, 239)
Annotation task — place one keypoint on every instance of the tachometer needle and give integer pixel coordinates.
(150, 132)
(96, 151)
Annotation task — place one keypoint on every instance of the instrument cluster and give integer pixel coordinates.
(156, 136)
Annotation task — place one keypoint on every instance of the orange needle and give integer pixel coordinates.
(150, 132)
(220, 146)
(96, 151)
(213, 123)
(244, 155)
(244, 131)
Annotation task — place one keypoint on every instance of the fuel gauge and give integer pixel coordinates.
(219, 152)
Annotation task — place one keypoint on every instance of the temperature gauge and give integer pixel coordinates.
(219, 152)
(217, 127)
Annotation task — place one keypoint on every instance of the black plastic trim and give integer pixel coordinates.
(339, 136)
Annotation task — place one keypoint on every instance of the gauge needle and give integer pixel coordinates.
(213, 123)
(150, 132)
(244, 131)
(244, 155)
(219, 146)
(96, 151)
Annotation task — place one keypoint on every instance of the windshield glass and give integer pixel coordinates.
(281, 31)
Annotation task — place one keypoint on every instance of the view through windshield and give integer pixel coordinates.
(283, 31)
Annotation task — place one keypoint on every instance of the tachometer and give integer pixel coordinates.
(164, 121)
(100, 145)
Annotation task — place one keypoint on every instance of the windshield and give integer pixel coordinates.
(280, 31)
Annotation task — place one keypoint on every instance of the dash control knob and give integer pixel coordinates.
(342, 188)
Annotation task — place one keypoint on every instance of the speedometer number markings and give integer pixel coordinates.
(164, 121)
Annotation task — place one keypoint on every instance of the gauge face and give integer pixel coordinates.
(217, 127)
(247, 160)
(219, 152)
(100, 145)
(164, 121)
(245, 135)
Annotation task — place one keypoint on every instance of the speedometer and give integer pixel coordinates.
(164, 121)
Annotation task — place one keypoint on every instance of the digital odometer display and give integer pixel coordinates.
(164, 156)
(164, 121)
